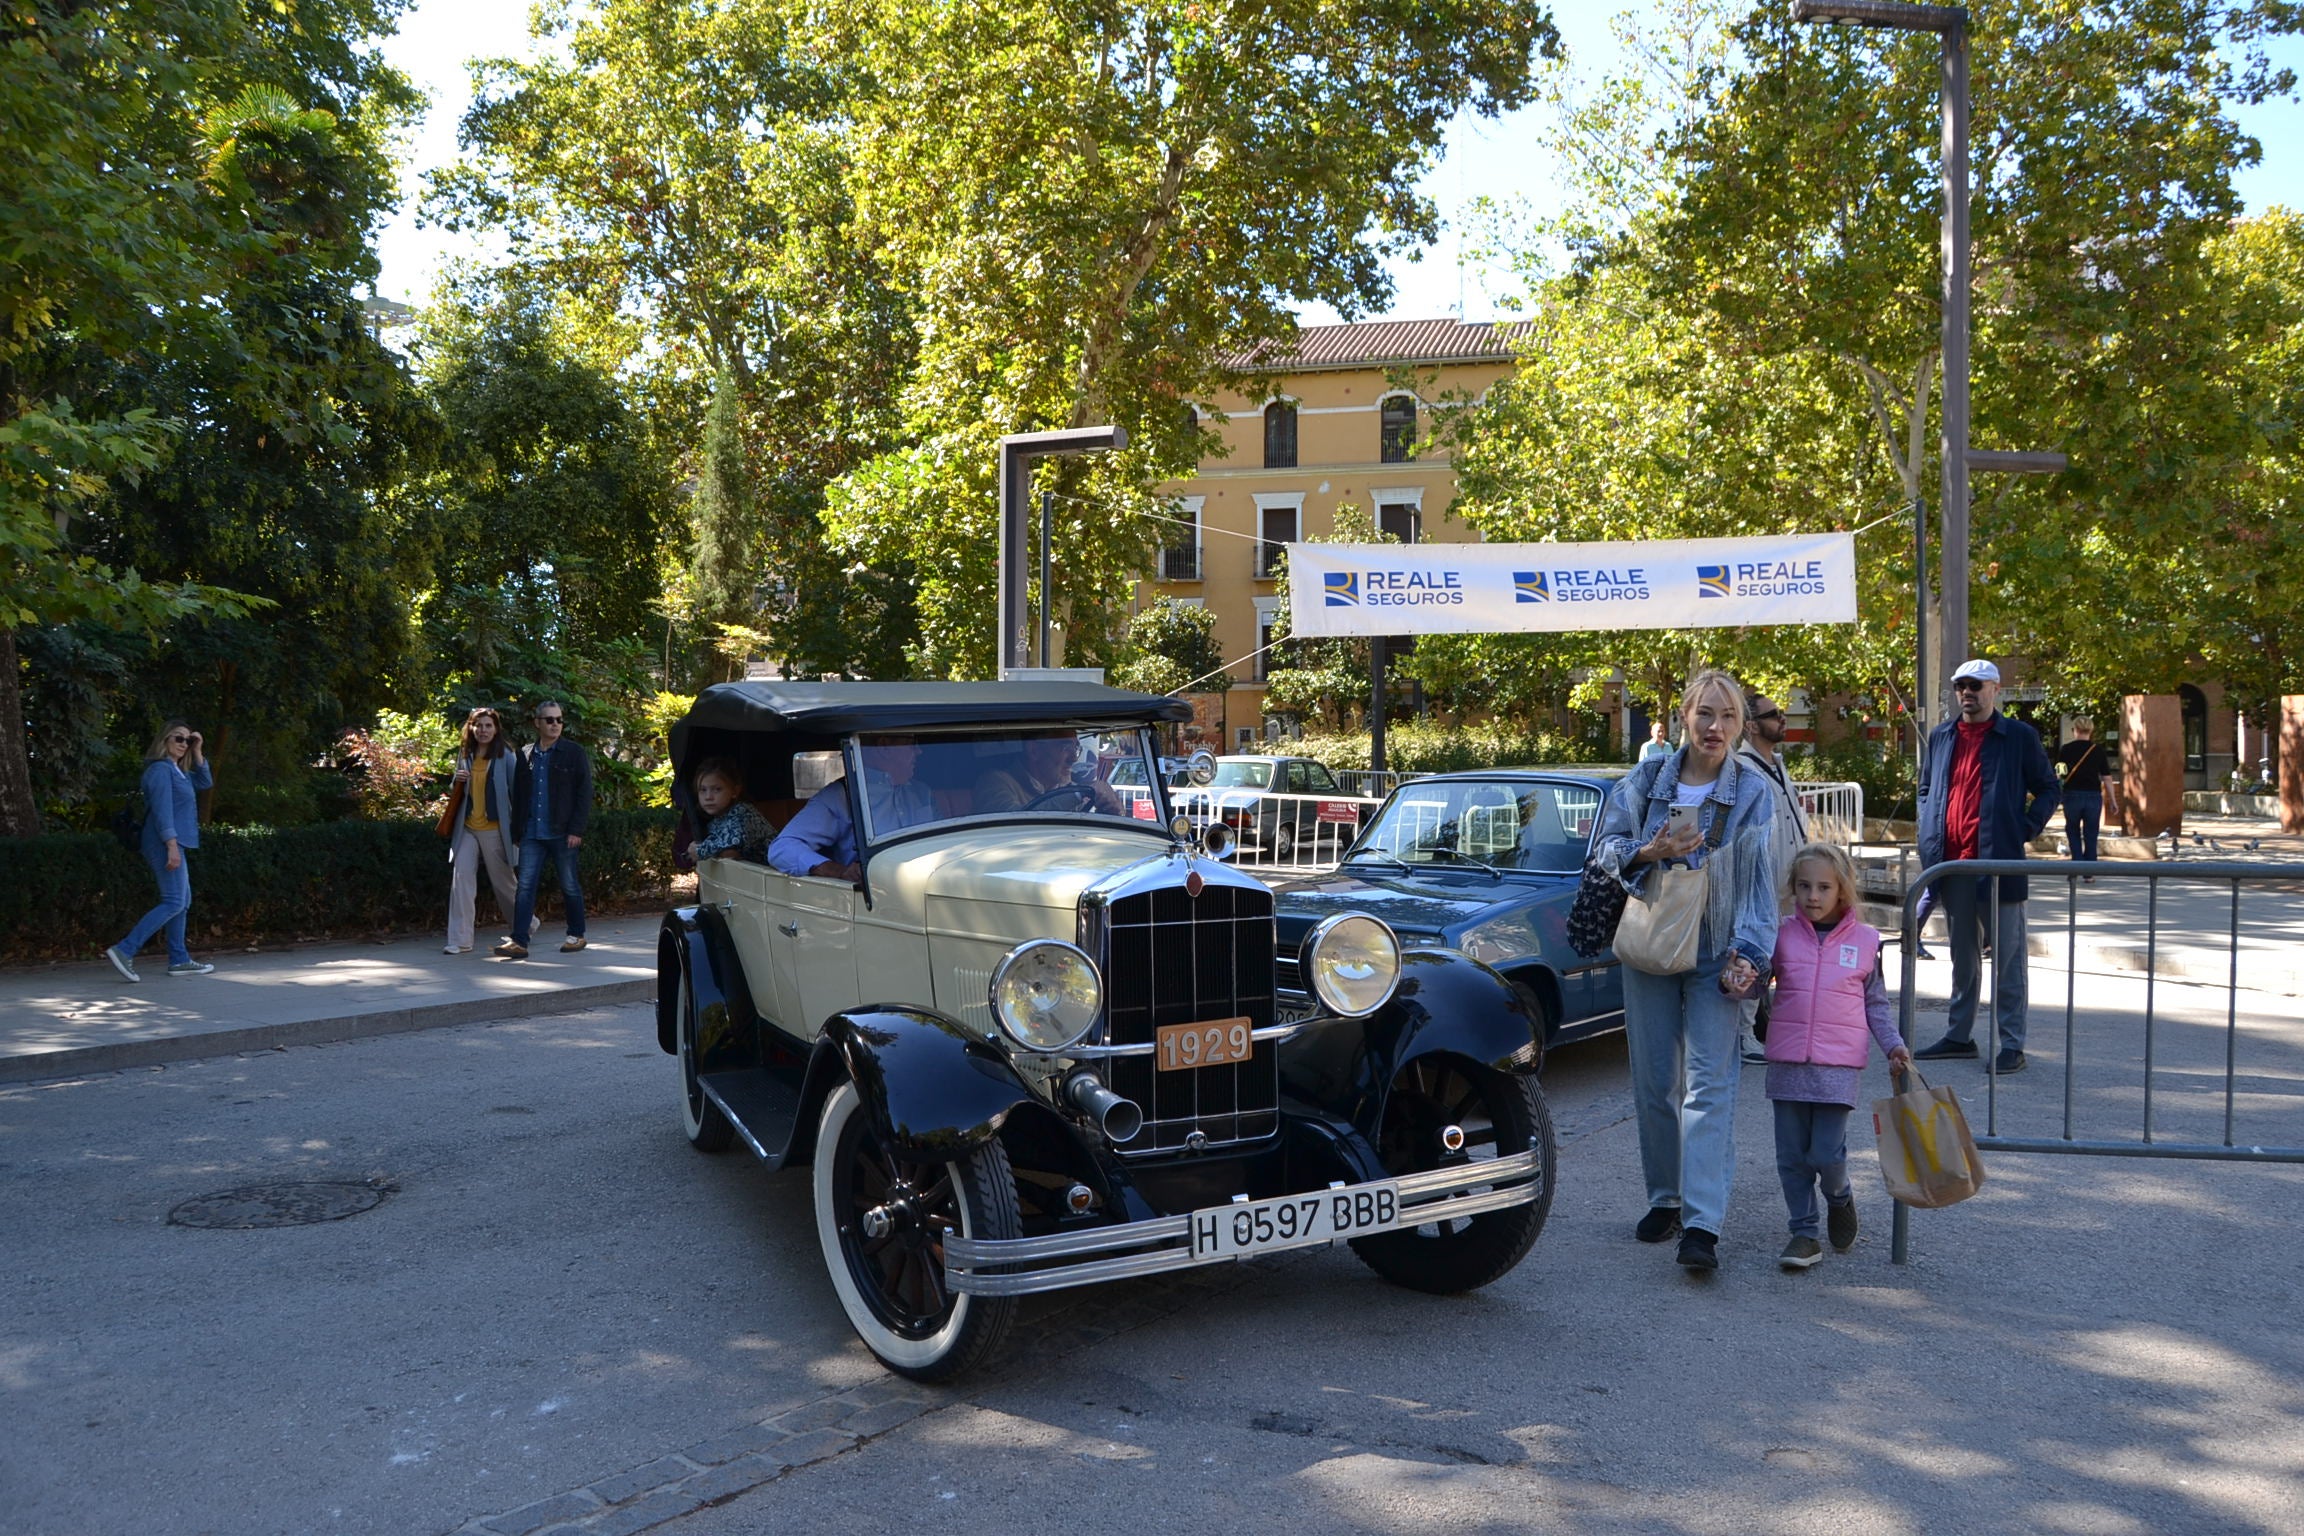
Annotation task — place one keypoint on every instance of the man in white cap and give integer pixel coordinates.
(1986, 792)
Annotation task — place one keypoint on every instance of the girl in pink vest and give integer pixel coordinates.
(1829, 1007)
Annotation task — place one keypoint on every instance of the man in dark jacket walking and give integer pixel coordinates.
(551, 807)
(1988, 791)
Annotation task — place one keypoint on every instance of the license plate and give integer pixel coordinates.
(1209, 1043)
(1292, 1013)
(1293, 1221)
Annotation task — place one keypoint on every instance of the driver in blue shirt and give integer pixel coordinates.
(821, 840)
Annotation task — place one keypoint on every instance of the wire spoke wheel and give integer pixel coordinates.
(882, 1217)
(1500, 1116)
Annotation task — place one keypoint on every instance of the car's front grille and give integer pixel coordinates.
(1175, 958)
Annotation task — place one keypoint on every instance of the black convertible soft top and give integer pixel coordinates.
(834, 709)
(763, 722)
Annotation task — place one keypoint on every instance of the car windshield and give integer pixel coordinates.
(1500, 823)
(916, 780)
(1252, 775)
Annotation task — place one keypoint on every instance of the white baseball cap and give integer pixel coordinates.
(1977, 668)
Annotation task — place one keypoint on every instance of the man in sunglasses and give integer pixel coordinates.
(551, 807)
(1987, 791)
(1763, 750)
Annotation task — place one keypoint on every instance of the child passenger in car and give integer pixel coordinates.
(736, 829)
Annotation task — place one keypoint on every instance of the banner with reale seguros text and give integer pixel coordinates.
(1454, 589)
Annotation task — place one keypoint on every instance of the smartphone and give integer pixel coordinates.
(1688, 816)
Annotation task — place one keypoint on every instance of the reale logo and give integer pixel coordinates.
(1342, 588)
(1712, 581)
(1531, 587)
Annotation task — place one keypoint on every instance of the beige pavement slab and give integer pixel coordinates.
(59, 1021)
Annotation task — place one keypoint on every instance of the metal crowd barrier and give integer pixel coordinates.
(1835, 810)
(1986, 1033)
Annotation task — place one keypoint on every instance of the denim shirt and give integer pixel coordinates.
(1741, 890)
(540, 794)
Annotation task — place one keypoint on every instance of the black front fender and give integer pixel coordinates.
(1447, 1004)
(934, 1089)
(696, 941)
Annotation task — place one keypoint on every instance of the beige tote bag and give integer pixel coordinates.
(1661, 927)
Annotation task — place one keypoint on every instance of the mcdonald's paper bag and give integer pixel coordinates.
(1926, 1153)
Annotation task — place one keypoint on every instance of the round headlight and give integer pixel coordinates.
(1353, 962)
(1046, 994)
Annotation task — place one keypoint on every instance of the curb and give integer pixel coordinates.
(80, 1061)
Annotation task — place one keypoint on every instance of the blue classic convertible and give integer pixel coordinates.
(1486, 863)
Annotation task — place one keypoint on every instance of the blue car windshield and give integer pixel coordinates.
(1541, 828)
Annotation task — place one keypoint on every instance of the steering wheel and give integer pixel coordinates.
(1085, 792)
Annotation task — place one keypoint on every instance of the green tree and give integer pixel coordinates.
(1089, 206)
(186, 195)
(678, 172)
(1172, 649)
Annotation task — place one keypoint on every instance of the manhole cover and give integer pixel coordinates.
(279, 1205)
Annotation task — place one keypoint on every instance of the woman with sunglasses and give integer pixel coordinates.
(175, 771)
(483, 835)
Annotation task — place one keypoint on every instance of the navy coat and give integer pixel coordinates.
(2019, 794)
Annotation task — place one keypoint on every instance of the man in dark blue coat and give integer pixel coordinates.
(551, 807)
(1988, 791)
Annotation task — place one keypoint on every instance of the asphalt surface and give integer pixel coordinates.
(560, 1308)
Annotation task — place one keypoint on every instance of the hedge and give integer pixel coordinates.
(66, 895)
(1423, 746)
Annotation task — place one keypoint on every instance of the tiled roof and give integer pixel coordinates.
(1381, 342)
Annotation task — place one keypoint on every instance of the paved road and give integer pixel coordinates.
(560, 1307)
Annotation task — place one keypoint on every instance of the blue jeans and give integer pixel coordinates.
(1681, 1034)
(2083, 819)
(1811, 1144)
(534, 852)
(175, 902)
(1967, 908)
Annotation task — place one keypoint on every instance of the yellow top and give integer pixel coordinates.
(476, 805)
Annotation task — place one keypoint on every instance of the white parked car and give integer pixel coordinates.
(1035, 1043)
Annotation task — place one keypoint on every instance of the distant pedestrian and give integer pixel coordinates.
(551, 807)
(1680, 1030)
(1763, 748)
(2081, 762)
(483, 835)
(733, 829)
(1658, 744)
(1828, 995)
(175, 771)
(1986, 791)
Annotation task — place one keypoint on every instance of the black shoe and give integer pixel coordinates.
(1755, 1055)
(1840, 1224)
(1923, 952)
(1947, 1049)
(1661, 1222)
(2009, 1061)
(1699, 1250)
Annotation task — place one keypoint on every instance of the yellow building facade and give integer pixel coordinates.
(1345, 424)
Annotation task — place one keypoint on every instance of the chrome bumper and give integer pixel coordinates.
(1028, 1265)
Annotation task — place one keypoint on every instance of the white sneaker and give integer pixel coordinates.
(120, 963)
(455, 949)
(191, 968)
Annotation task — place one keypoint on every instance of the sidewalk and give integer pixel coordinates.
(62, 1021)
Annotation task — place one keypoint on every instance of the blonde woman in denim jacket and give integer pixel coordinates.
(1680, 1031)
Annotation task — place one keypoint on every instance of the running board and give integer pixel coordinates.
(762, 1107)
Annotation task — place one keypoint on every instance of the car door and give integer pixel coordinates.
(1588, 987)
(819, 937)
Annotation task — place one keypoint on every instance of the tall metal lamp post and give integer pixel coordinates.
(1950, 24)
(1017, 451)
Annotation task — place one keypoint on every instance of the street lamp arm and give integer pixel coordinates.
(1881, 13)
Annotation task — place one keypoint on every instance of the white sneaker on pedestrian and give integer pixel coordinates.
(120, 963)
(455, 949)
(191, 968)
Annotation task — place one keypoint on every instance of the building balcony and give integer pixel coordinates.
(1180, 564)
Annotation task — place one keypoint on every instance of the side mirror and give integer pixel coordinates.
(1201, 768)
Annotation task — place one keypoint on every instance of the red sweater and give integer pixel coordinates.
(1963, 806)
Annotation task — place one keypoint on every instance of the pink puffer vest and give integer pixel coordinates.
(1818, 1014)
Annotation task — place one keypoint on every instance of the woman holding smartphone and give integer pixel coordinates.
(1697, 807)
(175, 771)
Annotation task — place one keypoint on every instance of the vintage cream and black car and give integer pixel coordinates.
(1037, 1043)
